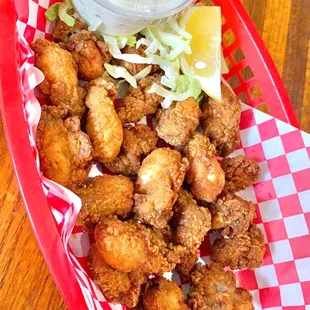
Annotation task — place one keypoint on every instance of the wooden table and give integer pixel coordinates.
(25, 282)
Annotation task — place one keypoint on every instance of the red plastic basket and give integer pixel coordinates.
(256, 60)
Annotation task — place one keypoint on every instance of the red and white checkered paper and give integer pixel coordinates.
(281, 196)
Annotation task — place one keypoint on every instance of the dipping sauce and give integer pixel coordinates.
(127, 17)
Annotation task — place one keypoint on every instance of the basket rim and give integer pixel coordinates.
(15, 129)
(14, 124)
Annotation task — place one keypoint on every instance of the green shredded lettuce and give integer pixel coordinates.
(200, 97)
(120, 72)
(126, 40)
(132, 58)
(169, 43)
(117, 72)
(64, 16)
(181, 32)
(106, 76)
(164, 44)
(59, 10)
(51, 13)
(143, 73)
(69, 4)
(186, 87)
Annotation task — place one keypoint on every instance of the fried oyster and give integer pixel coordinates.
(102, 124)
(177, 124)
(220, 121)
(104, 195)
(159, 180)
(131, 246)
(232, 214)
(240, 172)
(60, 83)
(243, 251)
(65, 151)
(116, 285)
(163, 294)
(205, 175)
(138, 102)
(213, 288)
(190, 222)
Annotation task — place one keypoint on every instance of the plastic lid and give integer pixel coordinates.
(145, 8)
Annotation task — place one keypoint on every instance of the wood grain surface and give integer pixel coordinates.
(25, 282)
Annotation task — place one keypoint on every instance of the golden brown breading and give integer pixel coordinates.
(243, 299)
(243, 251)
(187, 265)
(125, 164)
(164, 295)
(232, 214)
(104, 195)
(118, 286)
(65, 151)
(104, 50)
(159, 180)
(220, 121)
(103, 125)
(133, 68)
(213, 288)
(138, 101)
(190, 222)
(62, 31)
(130, 246)
(139, 140)
(177, 124)
(86, 54)
(61, 82)
(204, 175)
(68, 96)
(240, 172)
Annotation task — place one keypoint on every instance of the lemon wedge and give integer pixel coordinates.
(205, 62)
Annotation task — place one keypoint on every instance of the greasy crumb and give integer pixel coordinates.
(125, 164)
(62, 32)
(187, 265)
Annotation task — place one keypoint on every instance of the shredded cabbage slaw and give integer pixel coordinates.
(164, 44)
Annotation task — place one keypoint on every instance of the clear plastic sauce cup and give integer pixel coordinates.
(127, 17)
